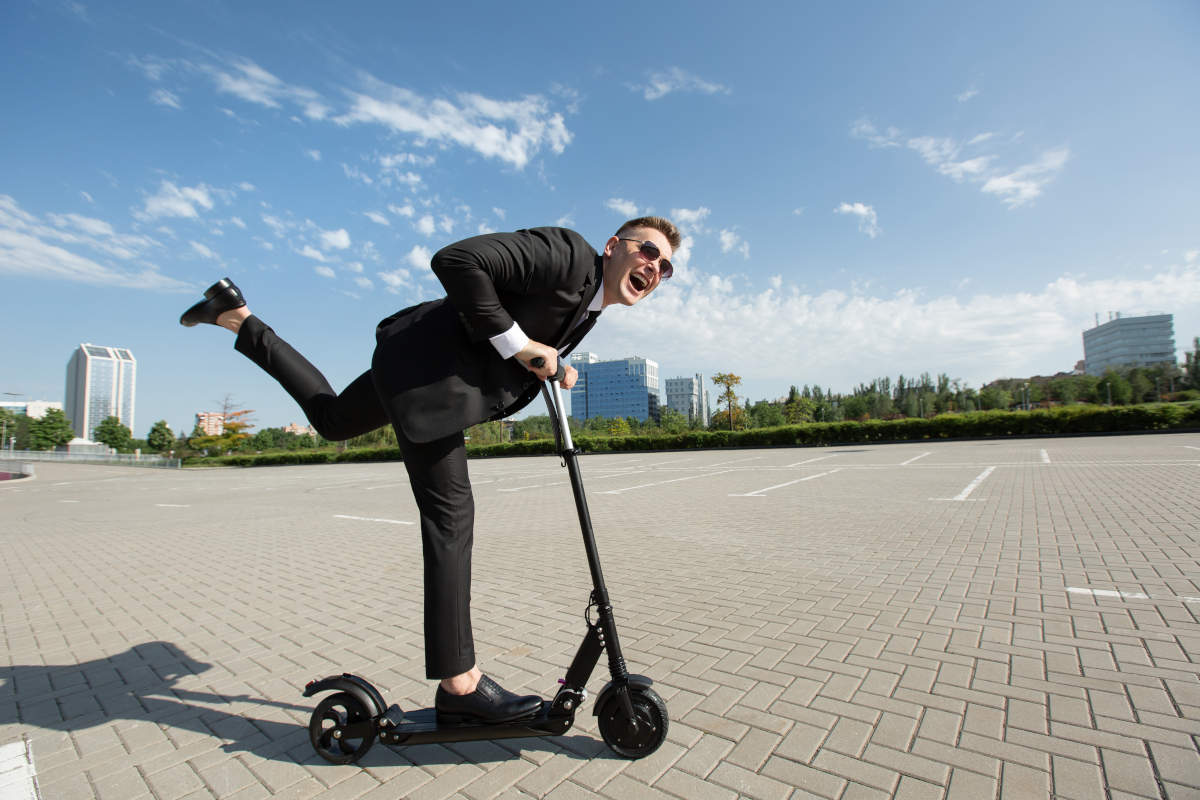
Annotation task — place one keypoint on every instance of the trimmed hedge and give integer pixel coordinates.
(1068, 419)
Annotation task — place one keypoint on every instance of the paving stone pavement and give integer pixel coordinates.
(1002, 619)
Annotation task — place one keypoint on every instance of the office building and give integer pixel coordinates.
(1132, 340)
(688, 397)
(34, 409)
(101, 383)
(624, 387)
(300, 430)
(211, 422)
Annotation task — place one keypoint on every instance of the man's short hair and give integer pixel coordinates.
(660, 224)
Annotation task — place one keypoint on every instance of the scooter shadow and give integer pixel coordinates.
(142, 685)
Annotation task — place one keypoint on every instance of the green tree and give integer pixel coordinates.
(161, 438)
(732, 411)
(671, 421)
(8, 427)
(1191, 363)
(111, 432)
(236, 424)
(1122, 392)
(52, 430)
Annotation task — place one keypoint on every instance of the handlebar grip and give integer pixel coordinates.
(539, 362)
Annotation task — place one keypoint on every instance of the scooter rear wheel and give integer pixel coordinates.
(651, 713)
(337, 711)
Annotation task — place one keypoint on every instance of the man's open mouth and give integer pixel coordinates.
(639, 283)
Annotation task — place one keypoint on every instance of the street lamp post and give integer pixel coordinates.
(1109, 385)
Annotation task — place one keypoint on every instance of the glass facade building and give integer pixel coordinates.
(1129, 341)
(101, 383)
(625, 387)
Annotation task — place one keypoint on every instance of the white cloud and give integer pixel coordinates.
(202, 250)
(690, 219)
(676, 80)
(24, 251)
(356, 174)
(335, 240)
(484, 228)
(1015, 188)
(315, 155)
(367, 250)
(174, 201)
(402, 211)
(375, 216)
(512, 131)
(308, 251)
(164, 98)
(798, 211)
(425, 225)
(867, 220)
(326, 271)
(243, 78)
(446, 224)
(626, 208)
(395, 280)
(87, 197)
(776, 281)
(499, 212)
(850, 337)
(1025, 183)
(1191, 255)
(354, 266)
(277, 225)
(237, 221)
(419, 257)
(365, 283)
(731, 241)
(246, 187)
(565, 221)
(967, 95)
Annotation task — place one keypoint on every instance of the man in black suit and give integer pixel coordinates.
(441, 367)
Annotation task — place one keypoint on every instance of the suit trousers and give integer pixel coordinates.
(437, 473)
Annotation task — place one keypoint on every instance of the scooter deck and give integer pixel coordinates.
(422, 727)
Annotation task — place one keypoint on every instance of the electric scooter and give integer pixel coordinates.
(632, 717)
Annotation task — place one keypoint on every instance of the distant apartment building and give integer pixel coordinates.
(688, 397)
(211, 422)
(34, 409)
(623, 387)
(101, 383)
(1132, 340)
(301, 430)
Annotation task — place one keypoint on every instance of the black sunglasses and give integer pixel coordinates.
(650, 250)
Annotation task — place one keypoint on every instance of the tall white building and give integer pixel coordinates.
(101, 383)
(1133, 340)
(688, 397)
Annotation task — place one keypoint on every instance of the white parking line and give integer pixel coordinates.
(18, 778)
(1045, 457)
(798, 463)
(166, 505)
(673, 480)
(759, 492)
(373, 519)
(560, 483)
(1189, 447)
(965, 493)
(906, 463)
(676, 461)
(1130, 595)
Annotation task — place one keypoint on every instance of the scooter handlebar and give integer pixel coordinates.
(539, 362)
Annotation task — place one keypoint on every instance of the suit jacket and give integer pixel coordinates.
(434, 365)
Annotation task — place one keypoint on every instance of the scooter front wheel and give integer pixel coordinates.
(328, 721)
(651, 713)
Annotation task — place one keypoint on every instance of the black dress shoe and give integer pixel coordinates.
(222, 296)
(488, 703)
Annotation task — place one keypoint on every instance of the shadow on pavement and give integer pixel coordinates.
(140, 685)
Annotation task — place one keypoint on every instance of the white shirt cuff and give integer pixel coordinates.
(511, 342)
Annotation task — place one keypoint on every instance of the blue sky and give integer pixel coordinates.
(866, 190)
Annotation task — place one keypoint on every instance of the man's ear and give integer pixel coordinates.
(609, 245)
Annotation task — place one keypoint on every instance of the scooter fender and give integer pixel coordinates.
(610, 689)
(366, 694)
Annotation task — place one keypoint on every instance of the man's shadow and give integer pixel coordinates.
(143, 685)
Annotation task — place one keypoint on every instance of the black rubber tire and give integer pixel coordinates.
(653, 722)
(341, 708)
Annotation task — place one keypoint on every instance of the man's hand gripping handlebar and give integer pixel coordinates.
(559, 376)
